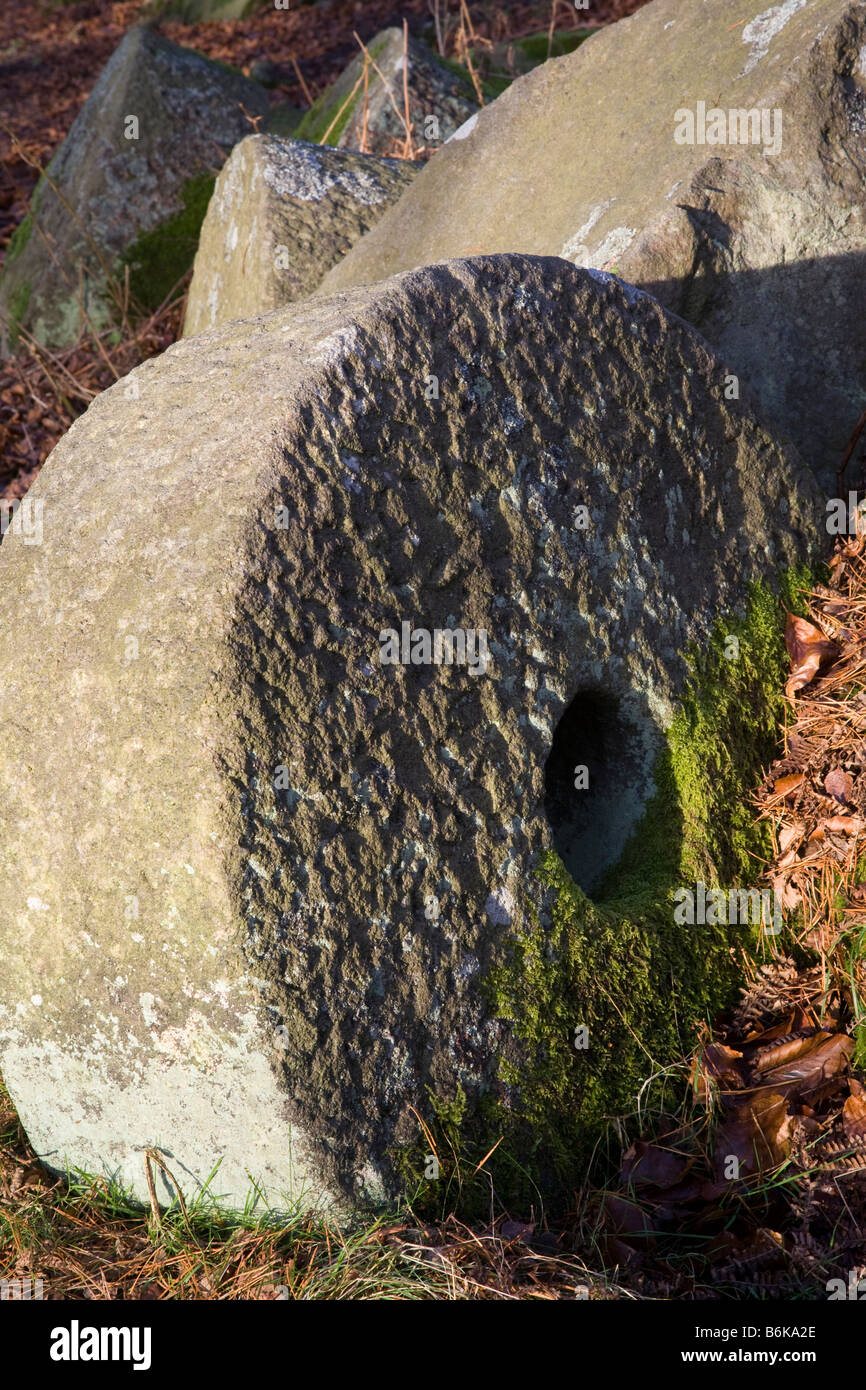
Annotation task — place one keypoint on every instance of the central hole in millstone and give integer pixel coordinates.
(586, 779)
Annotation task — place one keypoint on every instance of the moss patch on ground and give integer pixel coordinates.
(161, 257)
(325, 118)
(537, 48)
(619, 965)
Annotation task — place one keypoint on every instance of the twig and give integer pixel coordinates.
(35, 349)
(152, 1156)
(375, 66)
(365, 105)
(410, 148)
(553, 15)
(437, 24)
(151, 1191)
(43, 173)
(255, 121)
(324, 139)
(308, 96)
(467, 53)
(80, 302)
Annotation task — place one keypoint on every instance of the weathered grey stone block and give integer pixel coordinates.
(134, 177)
(282, 213)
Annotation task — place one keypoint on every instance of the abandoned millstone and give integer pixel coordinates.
(365, 109)
(133, 178)
(315, 593)
(282, 213)
(726, 176)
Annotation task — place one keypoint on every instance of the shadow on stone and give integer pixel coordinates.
(806, 367)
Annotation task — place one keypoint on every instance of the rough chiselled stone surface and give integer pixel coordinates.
(282, 213)
(254, 873)
(761, 245)
(155, 129)
(435, 90)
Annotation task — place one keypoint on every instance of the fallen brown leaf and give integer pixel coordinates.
(786, 894)
(517, 1230)
(717, 1063)
(766, 1059)
(854, 1112)
(619, 1252)
(827, 1059)
(756, 1133)
(624, 1217)
(789, 833)
(839, 785)
(809, 648)
(842, 825)
(649, 1165)
(815, 843)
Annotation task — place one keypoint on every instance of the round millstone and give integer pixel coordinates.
(262, 851)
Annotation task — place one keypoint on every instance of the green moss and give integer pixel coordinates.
(161, 257)
(19, 302)
(20, 238)
(284, 120)
(534, 47)
(492, 85)
(315, 123)
(619, 965)
(24, 230)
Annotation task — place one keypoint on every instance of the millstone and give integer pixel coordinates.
(261, 849)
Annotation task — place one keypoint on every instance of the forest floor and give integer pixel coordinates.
(774, 1087)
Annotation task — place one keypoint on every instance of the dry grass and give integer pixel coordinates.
(42, 392)
(85, 1240)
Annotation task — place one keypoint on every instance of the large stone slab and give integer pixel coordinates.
(325, 609)
(282, 213)
(760, 245)
(369, 114)
(132, 178)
